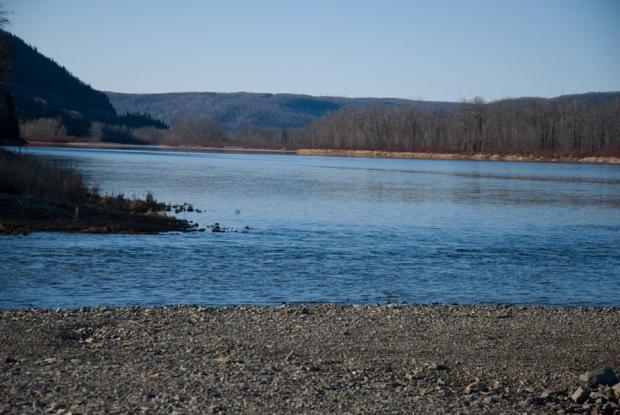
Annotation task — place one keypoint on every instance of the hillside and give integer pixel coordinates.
(244, 109)
(283, 111)
(41, 88)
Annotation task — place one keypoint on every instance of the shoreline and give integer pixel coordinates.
(338, 152)
(457, 156)
(20, 215)
(36, 197)
(322, 358)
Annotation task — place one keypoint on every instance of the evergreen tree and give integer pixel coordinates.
(9, 126)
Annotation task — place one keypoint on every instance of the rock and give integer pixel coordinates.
(415, 376)
(476, 387)
(581, 395)
(536, 400)
(616, 389)
(440, 366)
(604, 376)
(607, 409)
(548, 393)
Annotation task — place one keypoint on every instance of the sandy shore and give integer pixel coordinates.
(454, 156)
(314, 359)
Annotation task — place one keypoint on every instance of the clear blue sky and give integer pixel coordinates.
(437, 50)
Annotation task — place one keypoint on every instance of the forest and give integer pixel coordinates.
(577, 125)
(587, 124)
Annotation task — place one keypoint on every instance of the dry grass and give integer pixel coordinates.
(455, 156)
(23, 175)
(26, 176)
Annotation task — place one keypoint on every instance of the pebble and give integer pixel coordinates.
(580, 395)
(294, 359)
(476, 387)
(605, 376)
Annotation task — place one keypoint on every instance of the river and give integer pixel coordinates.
(331, 229)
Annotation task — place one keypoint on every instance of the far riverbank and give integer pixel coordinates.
(456, 156)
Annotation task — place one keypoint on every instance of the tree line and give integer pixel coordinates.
(561, 126)
(580, 125)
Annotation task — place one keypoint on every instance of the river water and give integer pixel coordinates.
(330, 229)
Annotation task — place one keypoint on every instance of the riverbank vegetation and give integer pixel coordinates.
(561, 128)
(36, 195)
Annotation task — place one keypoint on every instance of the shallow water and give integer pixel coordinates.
(329, 229)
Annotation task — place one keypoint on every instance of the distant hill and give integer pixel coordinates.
(242, 109)
(282, 111)
(42, 88)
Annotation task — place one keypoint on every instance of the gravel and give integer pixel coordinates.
(307, 359)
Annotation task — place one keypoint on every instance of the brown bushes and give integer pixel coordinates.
(26, 176)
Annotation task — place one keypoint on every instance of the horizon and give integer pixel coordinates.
(433, 52)
(465, 99)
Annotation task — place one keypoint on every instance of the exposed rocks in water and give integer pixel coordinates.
(216, 227)
(183, 207)
(191, 359)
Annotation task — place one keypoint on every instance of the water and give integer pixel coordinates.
(344, 230)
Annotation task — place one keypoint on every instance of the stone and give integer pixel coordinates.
(476, 387)
(548, 393)
(581, 395)
(440, 366)
(607, 409)
(616, 389)
(605, 376)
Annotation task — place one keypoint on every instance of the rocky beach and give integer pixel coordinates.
(310, 359)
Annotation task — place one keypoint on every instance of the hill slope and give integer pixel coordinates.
(282, 111)
(42, 88)
(236, 110)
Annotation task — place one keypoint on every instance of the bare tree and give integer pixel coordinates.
(5, 62)
(4, 20)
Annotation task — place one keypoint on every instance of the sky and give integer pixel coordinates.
(445, 50)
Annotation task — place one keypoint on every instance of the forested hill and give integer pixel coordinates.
(244, 109)
(41, 88)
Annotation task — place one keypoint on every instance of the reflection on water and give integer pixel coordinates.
(334, 230)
